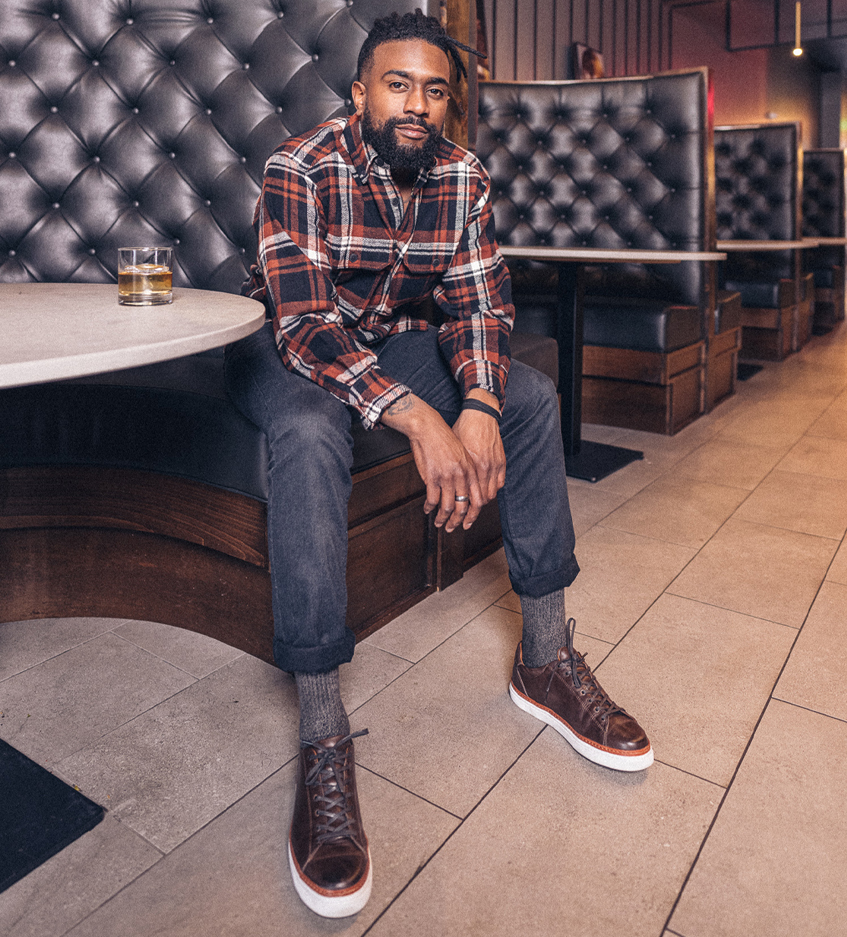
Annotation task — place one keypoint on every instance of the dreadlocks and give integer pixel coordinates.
(412, 26)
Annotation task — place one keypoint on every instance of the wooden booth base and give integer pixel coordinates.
(653, 391)
(722, 367)
(768, 334)
(119, 543)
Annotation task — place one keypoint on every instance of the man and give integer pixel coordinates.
(357, 220)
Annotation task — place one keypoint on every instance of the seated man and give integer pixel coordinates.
(359, 219)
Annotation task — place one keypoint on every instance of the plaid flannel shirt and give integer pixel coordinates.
(340, 264)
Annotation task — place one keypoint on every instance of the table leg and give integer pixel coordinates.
(584, 459)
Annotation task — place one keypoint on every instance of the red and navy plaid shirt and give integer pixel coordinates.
(340, 265)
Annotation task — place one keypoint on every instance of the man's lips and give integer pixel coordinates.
(412, 131)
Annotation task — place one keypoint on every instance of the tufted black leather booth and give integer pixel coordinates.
(613, 164)
(825, 215)
(141, 493)
(758, 175)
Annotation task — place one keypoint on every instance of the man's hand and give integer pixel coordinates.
(446, 467)
(479, 433)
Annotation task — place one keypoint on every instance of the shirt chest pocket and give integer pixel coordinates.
(425, 259)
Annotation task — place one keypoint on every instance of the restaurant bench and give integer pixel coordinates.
(141, 494)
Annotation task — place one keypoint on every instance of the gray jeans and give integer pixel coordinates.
(308, 431)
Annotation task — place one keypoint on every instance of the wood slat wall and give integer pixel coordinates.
(529, 40)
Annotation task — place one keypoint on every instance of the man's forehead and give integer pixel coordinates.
(411, 55)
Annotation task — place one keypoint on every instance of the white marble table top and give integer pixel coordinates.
(53, 331)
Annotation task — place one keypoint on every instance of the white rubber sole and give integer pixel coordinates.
(637, 761)
(331, 906)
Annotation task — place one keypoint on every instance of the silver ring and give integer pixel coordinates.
(461, 498)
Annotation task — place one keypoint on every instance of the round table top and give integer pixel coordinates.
(606, 254)
(53, 331)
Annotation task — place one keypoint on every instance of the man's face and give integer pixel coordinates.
(402, 99)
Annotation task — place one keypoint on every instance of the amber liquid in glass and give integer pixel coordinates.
(145, 285)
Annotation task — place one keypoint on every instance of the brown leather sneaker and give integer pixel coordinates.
(327, 848)
(568, 697)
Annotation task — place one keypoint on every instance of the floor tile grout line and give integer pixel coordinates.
(447, 839)
(690, 774)
(808, 709)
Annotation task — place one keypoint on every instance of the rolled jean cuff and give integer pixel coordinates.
(320, 659)
(536, 586)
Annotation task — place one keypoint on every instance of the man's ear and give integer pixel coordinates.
(359, 95)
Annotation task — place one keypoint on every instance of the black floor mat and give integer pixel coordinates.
(39, 815)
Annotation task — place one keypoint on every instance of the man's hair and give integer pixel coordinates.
(412, 26)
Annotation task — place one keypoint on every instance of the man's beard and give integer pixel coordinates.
(397, 155)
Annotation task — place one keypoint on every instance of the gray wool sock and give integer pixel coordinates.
(322, 714)
(543, 627)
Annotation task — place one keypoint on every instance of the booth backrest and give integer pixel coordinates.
(824, 208)
(129, 122)
(613, 163)
(758, 178)
(824, 193)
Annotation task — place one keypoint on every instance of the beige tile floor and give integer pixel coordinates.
(713, 603)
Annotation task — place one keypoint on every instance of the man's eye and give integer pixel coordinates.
(437, 92)
(397, 86)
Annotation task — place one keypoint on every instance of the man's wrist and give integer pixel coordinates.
(472, 403)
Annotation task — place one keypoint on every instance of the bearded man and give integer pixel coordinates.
(358, 221)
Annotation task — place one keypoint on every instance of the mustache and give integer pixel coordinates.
(412, 122)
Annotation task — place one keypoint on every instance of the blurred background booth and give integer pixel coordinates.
(825, 220)
(758, 172)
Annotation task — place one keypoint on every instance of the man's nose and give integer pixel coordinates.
(416, 101)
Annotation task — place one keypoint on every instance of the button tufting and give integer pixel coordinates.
(55, 16)
(13, 253)
(176, 240)
(280, 15)
(278, 109)
(315, 57)
(92, 251)
(54, 109)
(210, 20)
(172, 62)
(55, 204)
(246, 66)
(135, 204)
(172, 155)
(95, 159)
(207, 202)
(130, 21)
(12, 63)
(95, 62)
(12, 154)
(243, 159)
(135, 110)
(208, 112)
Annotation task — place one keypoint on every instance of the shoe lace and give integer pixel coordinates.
(583, 679)
(331, 772)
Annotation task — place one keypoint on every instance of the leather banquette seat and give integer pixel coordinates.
(141, 494)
